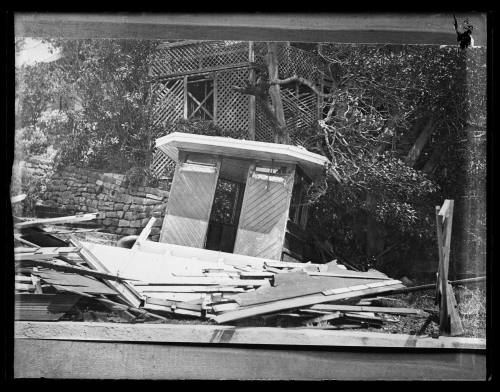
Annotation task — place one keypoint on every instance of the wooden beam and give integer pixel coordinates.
(202, 71)
(251, 98)
(373, 309)
(196, 334)
(144, 234)
(353, 276)
(455, 323)
(442, 278)
(126, 291)
(185, 97)
(216, 95)
(411, 28)
(62, 219)
(71, 269)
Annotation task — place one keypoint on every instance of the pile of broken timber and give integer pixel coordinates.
(156, 281)
(61, 282)
(177, 281)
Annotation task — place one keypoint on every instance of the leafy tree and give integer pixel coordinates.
(111, 125)
(393, 115)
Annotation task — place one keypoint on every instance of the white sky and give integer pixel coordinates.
(35, 51)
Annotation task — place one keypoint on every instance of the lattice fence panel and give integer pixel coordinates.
(300, 109)
(264, 129)
(198, 56)
(168, 101)
(293, 61)
(232, 106)
(161, 165)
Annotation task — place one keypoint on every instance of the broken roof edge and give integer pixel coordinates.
(310, 162)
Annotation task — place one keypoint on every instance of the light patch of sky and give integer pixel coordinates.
(35, 51)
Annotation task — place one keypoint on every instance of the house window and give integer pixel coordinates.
(200, 98)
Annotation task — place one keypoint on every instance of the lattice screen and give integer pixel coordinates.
(300, 112)
(161, 165)
(300, 109)
(264, 129)
(292, 61)
(232, 106)
(198, 56)
(168, 101)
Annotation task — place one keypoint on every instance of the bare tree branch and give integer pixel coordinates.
(303, 81)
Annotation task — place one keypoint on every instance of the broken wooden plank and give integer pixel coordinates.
(324, 317)
(62, 219)
(199, 281)
(126, 291)
(174, 304)
(188, 289)
(353, 276)
(17, 198)
(33, 256)
(43, 307)
(225, 307)
(455, 323)
(304, 301)
(166, 309)
(24, 287)
(374, 309)
(22, 279)
(77, 270)
(286, 264)
(76, 282)
(256, 274)
(143, 236)
(17, 237)
(46, 250)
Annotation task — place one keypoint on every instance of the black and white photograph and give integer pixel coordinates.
(249, 196)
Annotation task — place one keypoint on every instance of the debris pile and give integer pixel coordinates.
(158, 282)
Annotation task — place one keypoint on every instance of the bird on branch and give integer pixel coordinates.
(464, 33)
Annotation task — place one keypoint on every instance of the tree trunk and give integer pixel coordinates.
(375, 232)
(420, 143)
(434, 159)
(281, 135)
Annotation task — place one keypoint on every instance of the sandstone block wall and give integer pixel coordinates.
(125, 210)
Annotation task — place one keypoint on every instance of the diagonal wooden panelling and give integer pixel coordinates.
(263, 217)
(168, 104)
(189, 206)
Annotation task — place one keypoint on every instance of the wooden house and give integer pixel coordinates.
(195, 79)
(239, 196)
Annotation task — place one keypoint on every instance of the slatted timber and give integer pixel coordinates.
(197, 57)
(189, 206)
(232, 106)
(264, 214)
(161, 164)
(168, 101)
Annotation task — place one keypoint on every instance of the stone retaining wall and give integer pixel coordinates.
(125, 209)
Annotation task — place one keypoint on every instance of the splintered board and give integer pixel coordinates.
(43, 307)
(74, 282)
(307, 300)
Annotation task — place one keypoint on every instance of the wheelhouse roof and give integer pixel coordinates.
(312, 164)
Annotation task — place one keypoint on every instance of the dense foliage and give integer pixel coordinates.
(382, 98)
